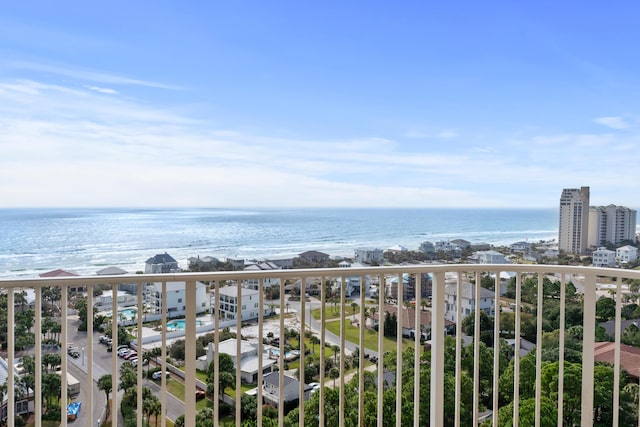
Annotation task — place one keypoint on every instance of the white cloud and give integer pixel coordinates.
(67, 146)
(421, 134)
(90, 75)
(105, 90)
(612, 122)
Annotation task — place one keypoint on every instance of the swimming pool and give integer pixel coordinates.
(125, 314)
(178, 325)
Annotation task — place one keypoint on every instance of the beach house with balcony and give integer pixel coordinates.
(175, 298)
(368, 255)
(627, 254)
(249, 299)
(603, 257)
(468, 301)
(161, 264)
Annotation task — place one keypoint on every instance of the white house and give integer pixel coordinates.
(176, 298)
(448, 248)
(250, 300)
(262, 266)
(468, 301)
(161, 264)
(248, 358)
(627, 254)
(603, 257)
(520, 247)
(491, 257)
(368, 255)
(291, 392)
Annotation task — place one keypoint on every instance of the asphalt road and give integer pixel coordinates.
(102, 366)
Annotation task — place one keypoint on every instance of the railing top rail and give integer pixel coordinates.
(319, 272)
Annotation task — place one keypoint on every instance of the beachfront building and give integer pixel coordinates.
(161, 264)
(522, 248)
(427, 248)
(603, 257)
(268, 281)
(491, 257)
(64, 273)
(574, 220)
(611, 225)
(291, 392)
(448, 248)
(176, 298)
(397, 248)
(204, 263)
(626, 254)
(315, 257)
(368, 255)
(248, 358)
(468, 301)
(249, 298)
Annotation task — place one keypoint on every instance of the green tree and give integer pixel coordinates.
(605, 309)
(226, 373)
(105, 384)
(334, 373)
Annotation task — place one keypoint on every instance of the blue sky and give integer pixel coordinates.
(272, 104)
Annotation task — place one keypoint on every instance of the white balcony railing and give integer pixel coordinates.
(424, 393)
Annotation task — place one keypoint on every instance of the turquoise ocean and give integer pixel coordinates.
(33, 241)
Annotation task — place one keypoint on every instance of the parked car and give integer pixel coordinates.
(123, 352)
(73, 352)
(200, 394)
(130, 355)
(158, 374)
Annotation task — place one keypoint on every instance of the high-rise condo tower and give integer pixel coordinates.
(574, 220)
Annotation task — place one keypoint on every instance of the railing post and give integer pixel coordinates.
(588, 351)
(437, 350)
(190, 355)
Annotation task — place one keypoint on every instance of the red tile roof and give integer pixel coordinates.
(59, 273)
(629, 356)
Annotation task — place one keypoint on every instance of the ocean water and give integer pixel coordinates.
(33, 241)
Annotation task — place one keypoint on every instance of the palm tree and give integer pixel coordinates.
(105, 384)
(333, 374)
(336, 350)
(314, 340)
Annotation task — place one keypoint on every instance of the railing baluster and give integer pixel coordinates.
(163, 380)
(362, 348)
(238, 385)
(437, 350)
(64, 371)
(323, 296)
(562, 328)
(115, 373)
(38, 358)
(139, 350)
(416, 356)
(589, 328)
(343, 290)
(380, 367)
(476, 346)
(283, 338)
(458, 343)
(497, 309)
(616, 363)
(399, 351)
(260, 350)
(516, 363)
(11, 395)
(538, 392)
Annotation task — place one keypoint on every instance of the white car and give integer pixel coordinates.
(158, 374)
(123, 352)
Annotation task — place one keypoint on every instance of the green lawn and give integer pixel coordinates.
(352, 334)
(332, 312)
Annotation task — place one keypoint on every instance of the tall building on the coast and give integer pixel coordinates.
(611, 224)
(574, 220)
